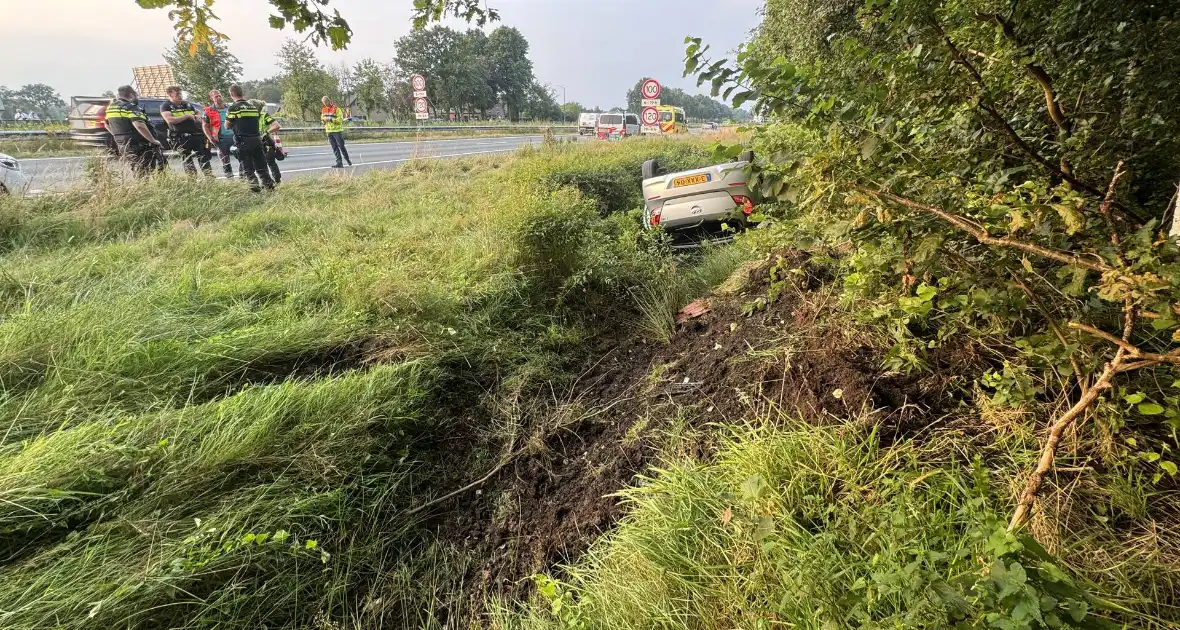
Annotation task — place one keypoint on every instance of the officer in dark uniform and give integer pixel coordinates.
(129, 126)
(267, 125)
(243, 120)
(188, 131)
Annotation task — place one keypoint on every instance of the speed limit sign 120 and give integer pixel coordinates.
(650, 116)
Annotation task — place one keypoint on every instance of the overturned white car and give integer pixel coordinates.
(705, 205)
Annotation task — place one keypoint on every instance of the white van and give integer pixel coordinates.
(616, 125)
(587, 121)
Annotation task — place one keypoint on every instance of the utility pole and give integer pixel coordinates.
(562, 102)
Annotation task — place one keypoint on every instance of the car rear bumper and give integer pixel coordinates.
(705, 233)
(693, 210)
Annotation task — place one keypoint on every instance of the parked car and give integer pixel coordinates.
(354, 119)
(88, 120)
(587, 121)
(617, 125)
(702, 205)
(12, 181)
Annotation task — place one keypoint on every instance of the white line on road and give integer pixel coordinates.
(357, 144)
(409, 159)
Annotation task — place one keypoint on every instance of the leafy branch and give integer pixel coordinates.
(193, 18)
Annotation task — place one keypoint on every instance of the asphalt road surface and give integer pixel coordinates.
(45, 174)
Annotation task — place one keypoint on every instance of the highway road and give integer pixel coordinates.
(48, 174)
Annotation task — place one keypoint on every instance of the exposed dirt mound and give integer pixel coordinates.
(764, 348)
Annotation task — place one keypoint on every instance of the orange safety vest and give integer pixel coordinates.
(332, 119)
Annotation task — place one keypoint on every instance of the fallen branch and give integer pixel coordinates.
(1126, 350)
(982, 235)
(470, 486)
(1049, 450)
(1133, 351)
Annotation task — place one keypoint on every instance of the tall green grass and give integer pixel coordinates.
(806, 527)
(218, 405)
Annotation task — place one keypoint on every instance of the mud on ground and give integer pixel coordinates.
(773, 345)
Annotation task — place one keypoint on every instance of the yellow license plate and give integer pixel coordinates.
(691, 180)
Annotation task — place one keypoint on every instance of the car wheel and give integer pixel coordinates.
(3, 190)
(651, 168)
(746, 156)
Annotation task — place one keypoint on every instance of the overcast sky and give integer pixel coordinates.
(597, 49)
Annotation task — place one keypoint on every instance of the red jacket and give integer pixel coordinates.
(214, 118)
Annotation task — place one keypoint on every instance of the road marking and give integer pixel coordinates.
(358, 144)
(409, 159)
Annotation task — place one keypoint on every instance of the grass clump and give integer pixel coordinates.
(220, 406)
(816, 528)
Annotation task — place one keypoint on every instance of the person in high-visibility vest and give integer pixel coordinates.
(244, 120)
(269, 128)
(333, 120)
(132, 132)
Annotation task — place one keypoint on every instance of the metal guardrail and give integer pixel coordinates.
(407, 129)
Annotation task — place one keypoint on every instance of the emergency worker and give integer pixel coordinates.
(189, 132)
(269, 127)
(215, 113)
(244, 120)
(333, 120)
(132, 132)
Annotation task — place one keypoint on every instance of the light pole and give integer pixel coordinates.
(562, 102)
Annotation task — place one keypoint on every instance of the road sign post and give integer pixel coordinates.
(421, 105)
(650, 119)
(650, 92)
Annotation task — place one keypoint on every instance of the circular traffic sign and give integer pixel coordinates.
(420, 106)
(650, 116)
(651, 89)
(419, 82)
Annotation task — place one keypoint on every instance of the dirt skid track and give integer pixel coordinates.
(724, 365)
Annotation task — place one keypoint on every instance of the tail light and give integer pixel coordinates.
(745, 202)
(655, 216)
(102, 117)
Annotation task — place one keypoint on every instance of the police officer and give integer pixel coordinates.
(188, 131)
(244, 120)
(267, 125)
(133, 135)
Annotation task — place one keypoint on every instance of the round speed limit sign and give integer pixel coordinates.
(651, 89)
(650, 116)
(419, 82)
(420, 106)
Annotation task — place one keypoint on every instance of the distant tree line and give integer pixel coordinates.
(469, 74)
(32, 98)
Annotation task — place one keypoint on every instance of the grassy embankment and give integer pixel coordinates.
(221, 407)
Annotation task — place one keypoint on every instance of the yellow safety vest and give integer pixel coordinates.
(333, 121)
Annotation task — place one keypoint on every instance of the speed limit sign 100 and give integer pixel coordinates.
(651, 89)
(650, 116)
(419, 82)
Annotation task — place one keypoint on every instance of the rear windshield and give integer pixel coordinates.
(611, 119)
(666, 116)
